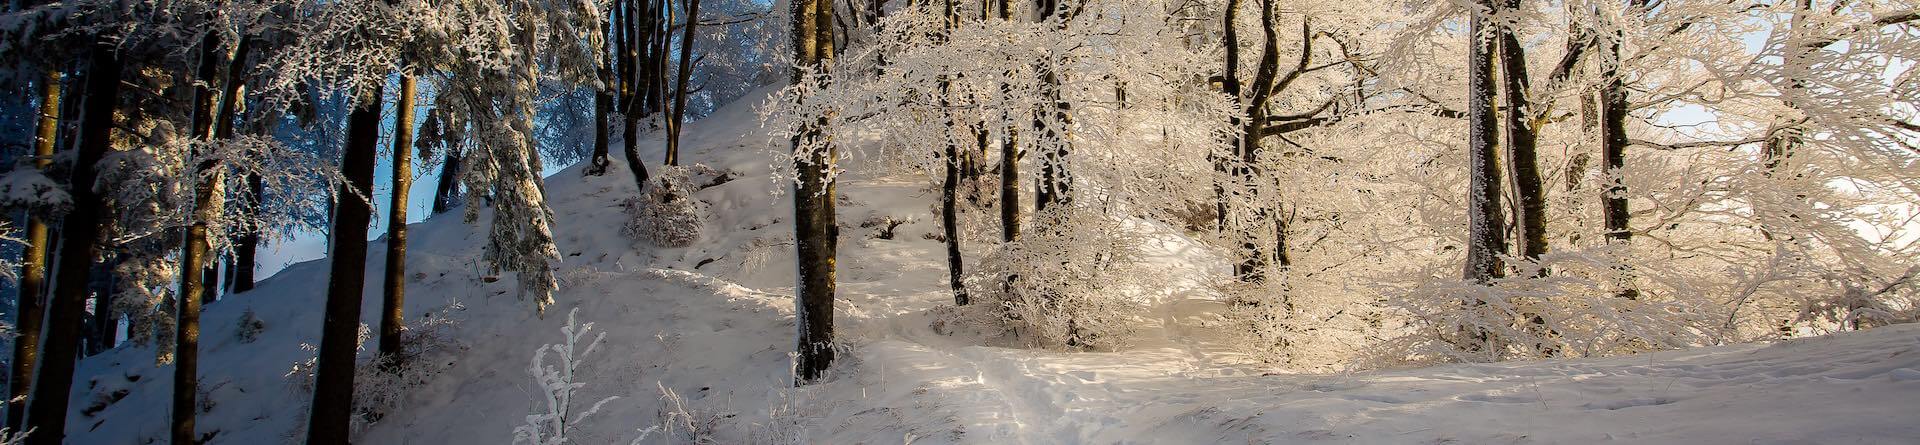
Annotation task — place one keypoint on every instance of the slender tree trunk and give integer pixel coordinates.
(197, 251)
(246, 243)
(332, 407)
(950, 185)
(1485, 241)
(1522, 140)
(1009, 160)
(1612, 98)
(602, 105)
(680, 84)
(602, 114)
(246, 249)
(47, 409)
(816, 233)
(33, 263)
(392, 316)
(1055, 188)
(210, 279)
(446, 193)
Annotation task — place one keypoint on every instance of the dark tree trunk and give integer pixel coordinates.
(1485, 241)
(680, 84)
(333, 381)
(602, 112)
(247, 243)
(950, 185)
(1009, 162)
(816, 233)
(392, 315)
(247, 247)
(31, 305)
(1522, 158)
(1055, 185)
(47, 409)
(446, 193)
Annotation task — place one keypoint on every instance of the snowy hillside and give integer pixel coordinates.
(700, 337)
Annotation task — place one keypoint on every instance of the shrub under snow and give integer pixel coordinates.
(667, 214)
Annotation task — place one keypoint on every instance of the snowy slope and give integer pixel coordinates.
(712, 323)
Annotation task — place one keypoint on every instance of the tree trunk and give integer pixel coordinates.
(1522, 140)
(1485, 241)
(392, 316)
(31, 308)
(332, 407)
(680, 84)
(247, 243)
(1009, 161)
(950, 185)
(602, 113)
(446, 194)
(47, 409)
(197, 250)
(816, 233)
(246, 249)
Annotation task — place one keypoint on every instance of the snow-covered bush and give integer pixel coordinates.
(250, 327)
(380, 384)
(1580, 307)
(667, 214)
(1067, 284)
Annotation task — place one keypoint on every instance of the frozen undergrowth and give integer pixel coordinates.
(697, 343)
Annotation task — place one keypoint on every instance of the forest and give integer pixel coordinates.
(960, 221)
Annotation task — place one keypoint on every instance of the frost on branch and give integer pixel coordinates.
(1070, 284)
(558, 385)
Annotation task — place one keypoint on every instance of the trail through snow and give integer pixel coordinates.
(713, 323)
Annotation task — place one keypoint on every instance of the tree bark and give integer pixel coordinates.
(1485, 241)
(197, 250)
(446, 193)
(1009, 161)
(1522, 142)
(47, 409)
(31, 305)
(950, 185)
(816, 233)
(332, 407)
(392, 307)
(680, 84)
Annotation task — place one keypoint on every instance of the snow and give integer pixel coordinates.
(712, 323)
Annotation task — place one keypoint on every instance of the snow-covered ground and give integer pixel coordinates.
(712, 324)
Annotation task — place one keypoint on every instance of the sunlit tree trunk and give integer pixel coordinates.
(816, 233)
(31, 306)
(47, 408)
(393, 306)
(196, 253)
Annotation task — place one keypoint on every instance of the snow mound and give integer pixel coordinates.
(698, 338)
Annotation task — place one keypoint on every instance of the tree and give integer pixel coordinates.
(47, 408)
(1522, 162)
(31, 305)
(194, 255)
(680, 84)
(392, 307)
(1485, 241)
(816, 234)
(332, 408)
(950, 184)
